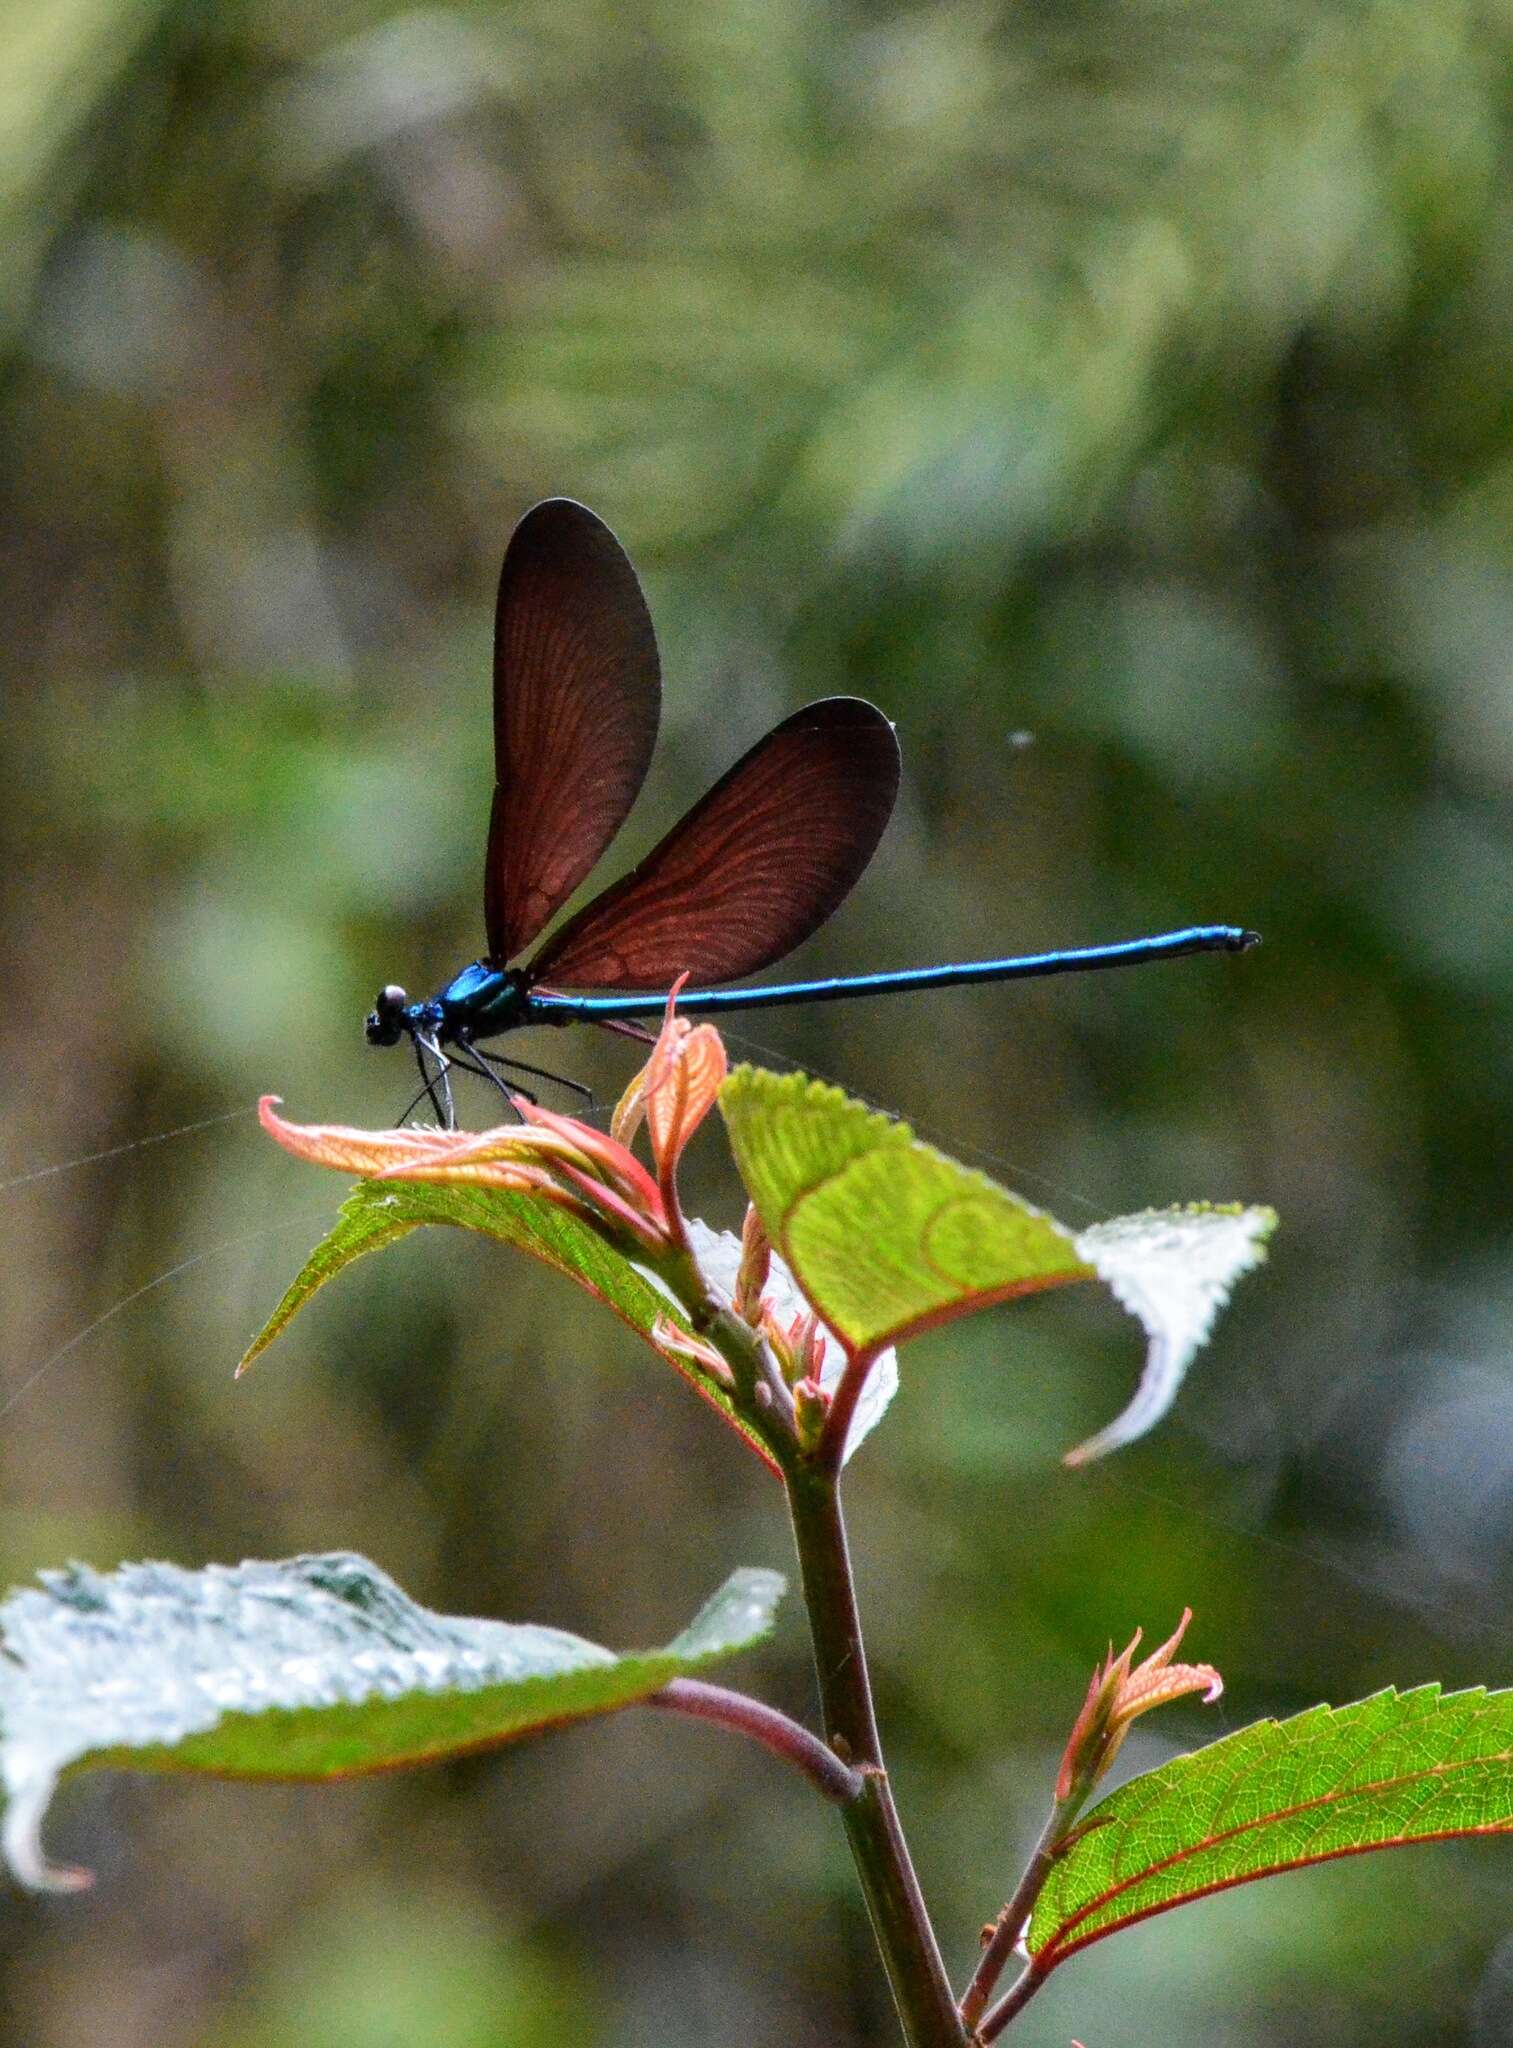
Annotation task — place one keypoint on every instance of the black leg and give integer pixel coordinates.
(414, 1102)
(497, 1059)
(467, 1055)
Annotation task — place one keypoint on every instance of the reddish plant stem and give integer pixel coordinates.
(832, 1445)
(786, 1739)
(1007, 1927)
(1013, 2002)
(905, 1938)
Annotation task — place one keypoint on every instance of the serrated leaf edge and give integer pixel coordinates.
(1055, 1951)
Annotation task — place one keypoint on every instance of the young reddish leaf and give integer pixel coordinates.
(313, 1668)
(754, 1267)
(887, 1236)
(1119, 1693)
(683, 1080)
(545, 1154)
(674, 1091)
(368, 1154)
(1335, 1781)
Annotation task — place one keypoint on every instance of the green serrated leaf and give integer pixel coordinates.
(378, 1212)
(362, 1225)
(1335, 1781)
(888, 1236)
(885, 1234)
(317, 1667)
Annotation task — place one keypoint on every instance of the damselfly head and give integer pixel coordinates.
(385, 1025)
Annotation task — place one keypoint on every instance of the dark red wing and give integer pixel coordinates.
(577, 692)
(755, 866)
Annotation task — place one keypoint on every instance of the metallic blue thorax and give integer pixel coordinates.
(476, 1003)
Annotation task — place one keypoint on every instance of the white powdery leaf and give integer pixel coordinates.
(718, 1253)
(1173, 1270)
(151, 1656)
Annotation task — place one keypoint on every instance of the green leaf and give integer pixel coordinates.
(317, 1667)
(364, 1223)
(887, 1236)
(377, 1213)
(1335, 1781)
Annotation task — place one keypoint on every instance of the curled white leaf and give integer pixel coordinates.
(1173, 1270)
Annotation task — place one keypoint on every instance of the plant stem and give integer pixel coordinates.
(911, 1958)
(1006, 1929)
(832, 1450)
(786, 1739)
(1013, 2002)
(746, 1352)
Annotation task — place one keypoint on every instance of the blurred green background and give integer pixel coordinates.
(1131, 375)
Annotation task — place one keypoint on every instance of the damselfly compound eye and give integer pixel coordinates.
(384, 1026)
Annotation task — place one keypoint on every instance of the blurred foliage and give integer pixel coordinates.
(1132, 375)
